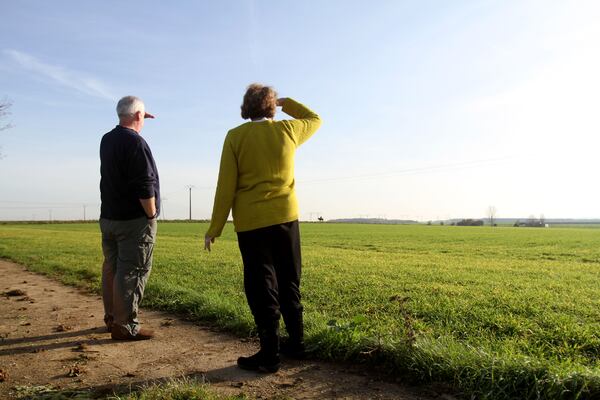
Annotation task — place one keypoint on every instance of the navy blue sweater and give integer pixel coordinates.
(128, 174)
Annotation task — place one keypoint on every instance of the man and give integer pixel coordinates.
(129, 188)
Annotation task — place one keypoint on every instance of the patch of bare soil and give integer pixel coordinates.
(52, 335)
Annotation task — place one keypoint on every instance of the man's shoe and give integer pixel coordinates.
(143, 334)
(293, 349)
(260, 362)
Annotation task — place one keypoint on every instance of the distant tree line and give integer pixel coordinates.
(469, 222)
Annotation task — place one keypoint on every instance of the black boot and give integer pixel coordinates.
(267, 359)
(261, 362)
(293, 347)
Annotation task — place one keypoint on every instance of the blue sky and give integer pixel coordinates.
(431, 109)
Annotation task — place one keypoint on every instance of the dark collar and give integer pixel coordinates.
(122, 128)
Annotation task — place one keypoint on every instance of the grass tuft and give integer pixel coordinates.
(177, 389)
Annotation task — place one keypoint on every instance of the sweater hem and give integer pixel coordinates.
(264, 224)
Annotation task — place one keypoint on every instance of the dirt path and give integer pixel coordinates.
(52, 335)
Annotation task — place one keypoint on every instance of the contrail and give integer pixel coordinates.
(68, 78)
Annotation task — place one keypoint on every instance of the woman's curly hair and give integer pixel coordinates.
(259, 102)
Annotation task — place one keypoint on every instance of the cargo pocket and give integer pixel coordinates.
(146, 248)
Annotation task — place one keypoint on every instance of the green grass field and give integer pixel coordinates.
(504, 313)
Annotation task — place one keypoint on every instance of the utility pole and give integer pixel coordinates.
(190, 187)
(84, 212)
(50, 215)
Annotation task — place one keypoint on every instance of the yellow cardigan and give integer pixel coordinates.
(256, 176)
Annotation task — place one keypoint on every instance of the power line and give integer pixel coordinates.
(38, 207)
(408, 171)
(30, 205)
(49, 203)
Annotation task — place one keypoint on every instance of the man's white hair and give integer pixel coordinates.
(129, 105)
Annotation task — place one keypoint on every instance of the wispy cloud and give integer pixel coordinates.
(75, 80)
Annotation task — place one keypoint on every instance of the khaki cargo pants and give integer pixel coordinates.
(127, 247)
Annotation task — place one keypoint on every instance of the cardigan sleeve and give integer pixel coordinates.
(225, 193)
(306, 121)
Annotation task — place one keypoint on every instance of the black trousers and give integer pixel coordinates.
(272, 268)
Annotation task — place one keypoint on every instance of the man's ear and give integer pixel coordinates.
(139, 115)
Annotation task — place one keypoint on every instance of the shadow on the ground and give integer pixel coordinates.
(54, 336)
(232, 376)
(54, 346)
(110, 390)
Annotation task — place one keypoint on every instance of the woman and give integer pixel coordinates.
(256, 180)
